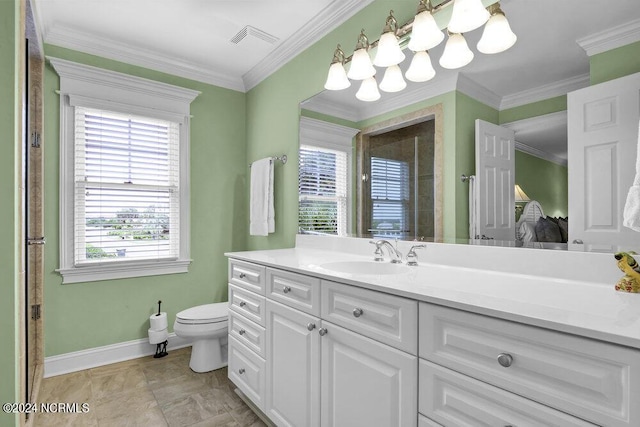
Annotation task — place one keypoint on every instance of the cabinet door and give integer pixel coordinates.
(366, 383)
(293, 366)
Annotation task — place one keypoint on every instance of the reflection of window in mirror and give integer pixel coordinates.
(322, 191)
(324, 177)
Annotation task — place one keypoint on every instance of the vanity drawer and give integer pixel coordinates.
(452, 399)
(294, 290)
(248, 276)
(387, 318)
(248, 333)
(594, 380)
(247, 304)
(247, 371)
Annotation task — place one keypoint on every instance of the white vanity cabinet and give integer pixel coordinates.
(246, 365)
(353, 371)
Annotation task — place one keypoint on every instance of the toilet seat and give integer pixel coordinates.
(204, 314)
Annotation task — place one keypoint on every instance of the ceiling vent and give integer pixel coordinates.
(250, 31)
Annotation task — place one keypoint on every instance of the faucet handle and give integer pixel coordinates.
(412, 257)
(378, 255)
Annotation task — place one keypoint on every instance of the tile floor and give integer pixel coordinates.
(147, 392)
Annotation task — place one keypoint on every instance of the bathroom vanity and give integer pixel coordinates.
(315, 339)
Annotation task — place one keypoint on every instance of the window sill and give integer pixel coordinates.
(125, 270)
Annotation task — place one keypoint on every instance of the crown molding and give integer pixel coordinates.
(403, 99)
(540, 93)
(540, 154)
(478, 92)
(331, 108)
(321, 133)
(314, 30)
(611, 38)
(107, 48)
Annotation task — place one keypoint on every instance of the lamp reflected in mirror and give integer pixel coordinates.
(521, 199)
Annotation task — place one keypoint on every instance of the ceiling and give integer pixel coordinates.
(238, 43)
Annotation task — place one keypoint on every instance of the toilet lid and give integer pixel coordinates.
(207, 312)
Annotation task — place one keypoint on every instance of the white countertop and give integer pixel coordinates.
(588, 309)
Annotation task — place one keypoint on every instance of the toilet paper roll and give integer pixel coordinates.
(156, 337)
(158, 323)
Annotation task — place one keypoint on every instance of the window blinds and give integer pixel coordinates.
(389, 194)
(322, 189)
(126, 187)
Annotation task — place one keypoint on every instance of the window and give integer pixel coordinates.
(389, 196)
(124, 168)
(322, 189)
(324, 177)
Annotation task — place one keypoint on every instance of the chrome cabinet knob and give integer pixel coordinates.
(242, 304)
(357, 312)
(241, 331)
(242, 275)
(311, 326)
(322, 331)
(286, 289)
(505, 359)
(241, 371)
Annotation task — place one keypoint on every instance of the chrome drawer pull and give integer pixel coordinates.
(242, 304)
(505, 359)
(357, 312)
(241, 371)
(242, 331)
(311, 326)
(322, 331)
(286, 289)
(242, 275)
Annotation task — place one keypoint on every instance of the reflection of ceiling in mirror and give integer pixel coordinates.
(549, 59)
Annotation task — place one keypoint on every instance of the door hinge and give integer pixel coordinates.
(35, 311)
(35, 140)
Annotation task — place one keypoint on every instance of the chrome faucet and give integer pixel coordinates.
(394, 253)
(412, 257)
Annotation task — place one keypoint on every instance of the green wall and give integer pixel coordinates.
(10, 140)
(615, 63)
(543, 181)
(539, 108)
(85, 315)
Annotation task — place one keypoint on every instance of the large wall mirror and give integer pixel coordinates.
(397, 169)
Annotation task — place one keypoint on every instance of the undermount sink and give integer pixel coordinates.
(365, 267)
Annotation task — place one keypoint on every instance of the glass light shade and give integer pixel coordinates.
(368, 90)
(456, 52)
(393, 80)
(389, 52)
(425, 33)
(467, 15)
(337, 77)
(497, 35)
(420, 69)
(361, 66)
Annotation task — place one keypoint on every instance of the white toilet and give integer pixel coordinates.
(206, 325)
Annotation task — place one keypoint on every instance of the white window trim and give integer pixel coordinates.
(318, 133)
(109, 90)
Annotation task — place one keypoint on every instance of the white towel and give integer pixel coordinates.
(261, 209)
(631, 215)
(473, 230)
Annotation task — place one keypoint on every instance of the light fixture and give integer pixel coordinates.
(456, 52)
(389, 52)
(337, 77)
(361, 66)
(497, 35)
(467, 15)
(425, 33)
(392, 80)
(420, 69)
(520, 195)
(368, 90)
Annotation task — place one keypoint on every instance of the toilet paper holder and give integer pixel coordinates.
(158, 325)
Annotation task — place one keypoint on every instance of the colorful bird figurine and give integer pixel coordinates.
(630, 282)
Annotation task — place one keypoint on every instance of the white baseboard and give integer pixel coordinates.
(105, 355)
